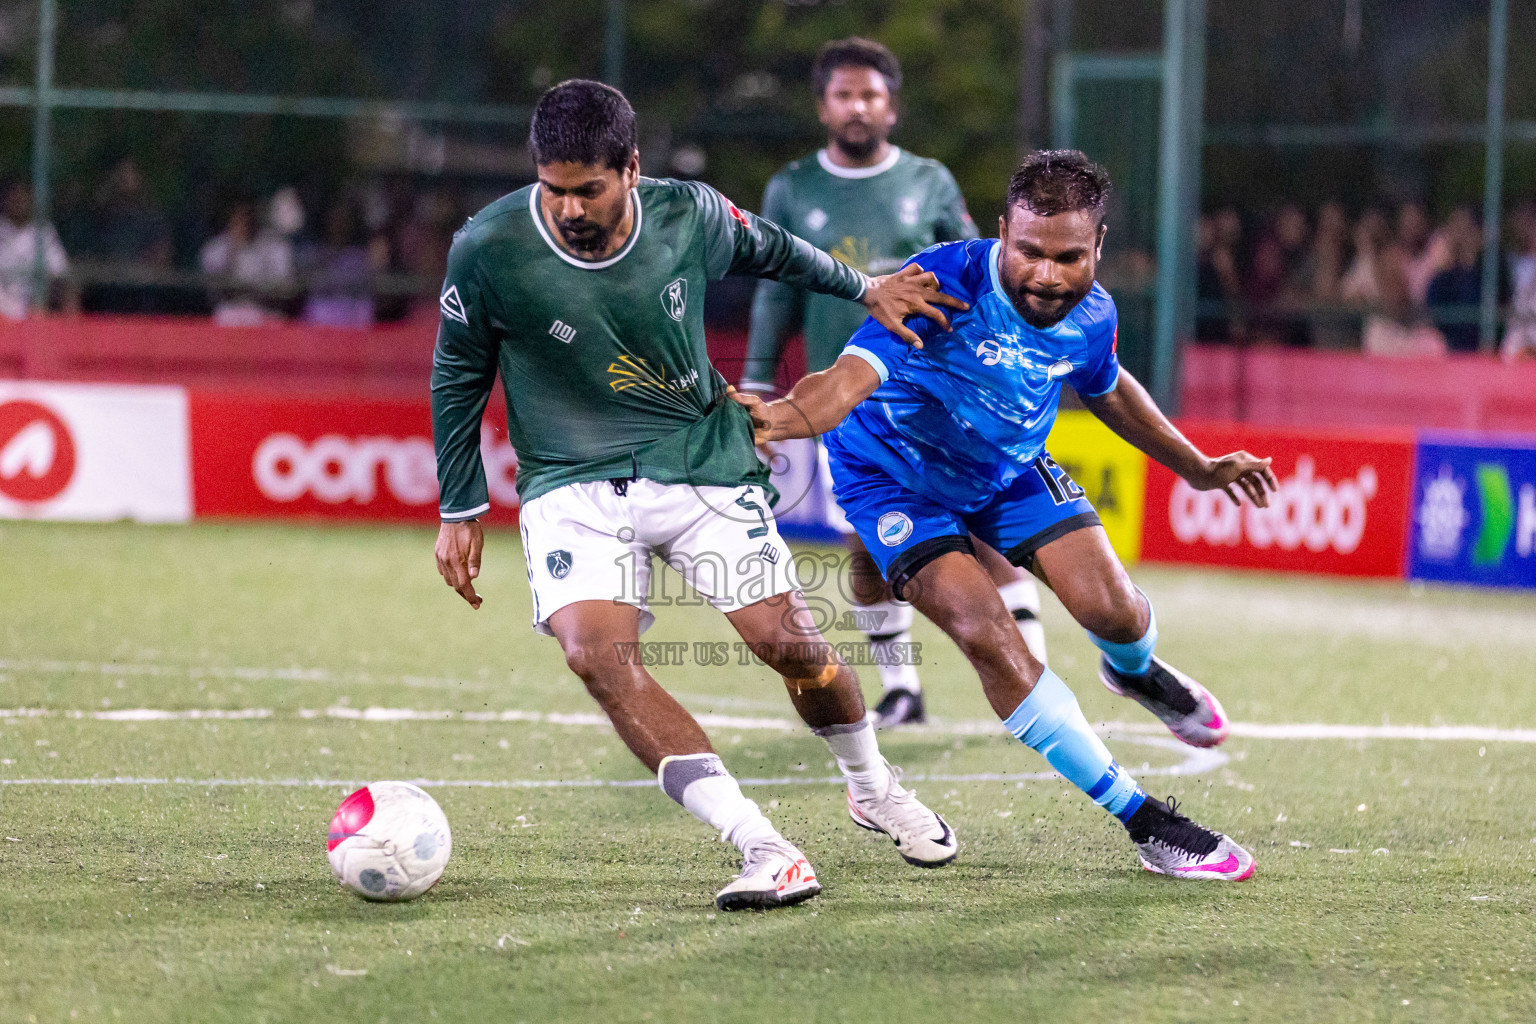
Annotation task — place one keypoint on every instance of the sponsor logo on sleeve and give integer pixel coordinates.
(452, 306)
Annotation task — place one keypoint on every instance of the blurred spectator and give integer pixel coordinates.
(255, 269)
(1456, 289)
(18, 256)
(339, 271)
(423, 248)
(1520, 335)
(1217, 278)
(1377, 282)
(128, 229)
(1423, 254)
(1279, 282)
(1322, 276)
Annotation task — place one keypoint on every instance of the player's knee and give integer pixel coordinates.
(979, 637)
(1116, 613)
(809, 663)
(593, 663)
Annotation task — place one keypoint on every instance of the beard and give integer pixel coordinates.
(1061, 304)
(858, 139)
(584, 236)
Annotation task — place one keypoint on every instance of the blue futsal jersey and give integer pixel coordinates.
(962, 418)
(952, 443)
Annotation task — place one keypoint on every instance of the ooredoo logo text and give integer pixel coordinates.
(1308, 511)
(337, 469)
(37, 453)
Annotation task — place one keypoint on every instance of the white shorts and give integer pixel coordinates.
(587, 542)
(833, 511)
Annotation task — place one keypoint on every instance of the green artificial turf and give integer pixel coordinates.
(1395, 877)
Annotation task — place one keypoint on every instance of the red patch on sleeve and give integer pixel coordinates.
(738, 214)
(1114, 342)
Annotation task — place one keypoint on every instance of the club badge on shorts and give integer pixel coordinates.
(559, 563)
(893, 528)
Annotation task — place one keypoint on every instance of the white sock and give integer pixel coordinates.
(701, 784)
(858, 757)
(890, 643)
(1022, 598)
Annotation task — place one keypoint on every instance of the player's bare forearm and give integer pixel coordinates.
(1130, 412)
(819, 402)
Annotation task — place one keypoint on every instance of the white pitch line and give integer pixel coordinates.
(975, 727)
(1195, 762)
(240, 673)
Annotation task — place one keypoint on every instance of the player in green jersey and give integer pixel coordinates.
(871, 205)
(586, 292)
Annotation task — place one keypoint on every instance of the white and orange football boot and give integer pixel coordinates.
(776, 874)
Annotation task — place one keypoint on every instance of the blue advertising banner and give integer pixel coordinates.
(1474, 512)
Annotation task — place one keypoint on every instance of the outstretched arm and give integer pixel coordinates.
(819, 402)
(743, 243)
(1129, 411)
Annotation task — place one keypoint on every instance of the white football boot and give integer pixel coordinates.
(922, 837)
(775, 874)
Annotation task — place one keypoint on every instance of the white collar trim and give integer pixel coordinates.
(576, 261)
(858, 172)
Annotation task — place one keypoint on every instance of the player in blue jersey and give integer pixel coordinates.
(932, 444)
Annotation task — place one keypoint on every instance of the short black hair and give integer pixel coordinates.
(855, 52)
(1052, 181)
(583, 122)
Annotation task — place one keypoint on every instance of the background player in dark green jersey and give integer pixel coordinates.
(586, 292)
(871, 205)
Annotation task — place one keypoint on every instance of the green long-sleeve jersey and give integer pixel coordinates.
(872, 218)
(603, 361)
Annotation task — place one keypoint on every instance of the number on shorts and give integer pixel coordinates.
(746, 502)
(1062, 487)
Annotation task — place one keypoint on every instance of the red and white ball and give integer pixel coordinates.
(389, 841)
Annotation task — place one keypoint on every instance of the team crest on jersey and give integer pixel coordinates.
(452, 306)
(559, 563)
(908, 210)
(816, 219)
(893, 528)
(674, 299)
(989, 352)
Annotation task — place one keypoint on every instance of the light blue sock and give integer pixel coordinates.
(1132, 659)
(1049, 720)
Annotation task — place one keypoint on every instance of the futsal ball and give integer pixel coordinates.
(389, 841)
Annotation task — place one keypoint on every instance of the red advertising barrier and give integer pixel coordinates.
(268, 457)
(1342, 508)
(1296, 387)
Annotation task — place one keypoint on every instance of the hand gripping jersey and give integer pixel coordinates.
(960, 420)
